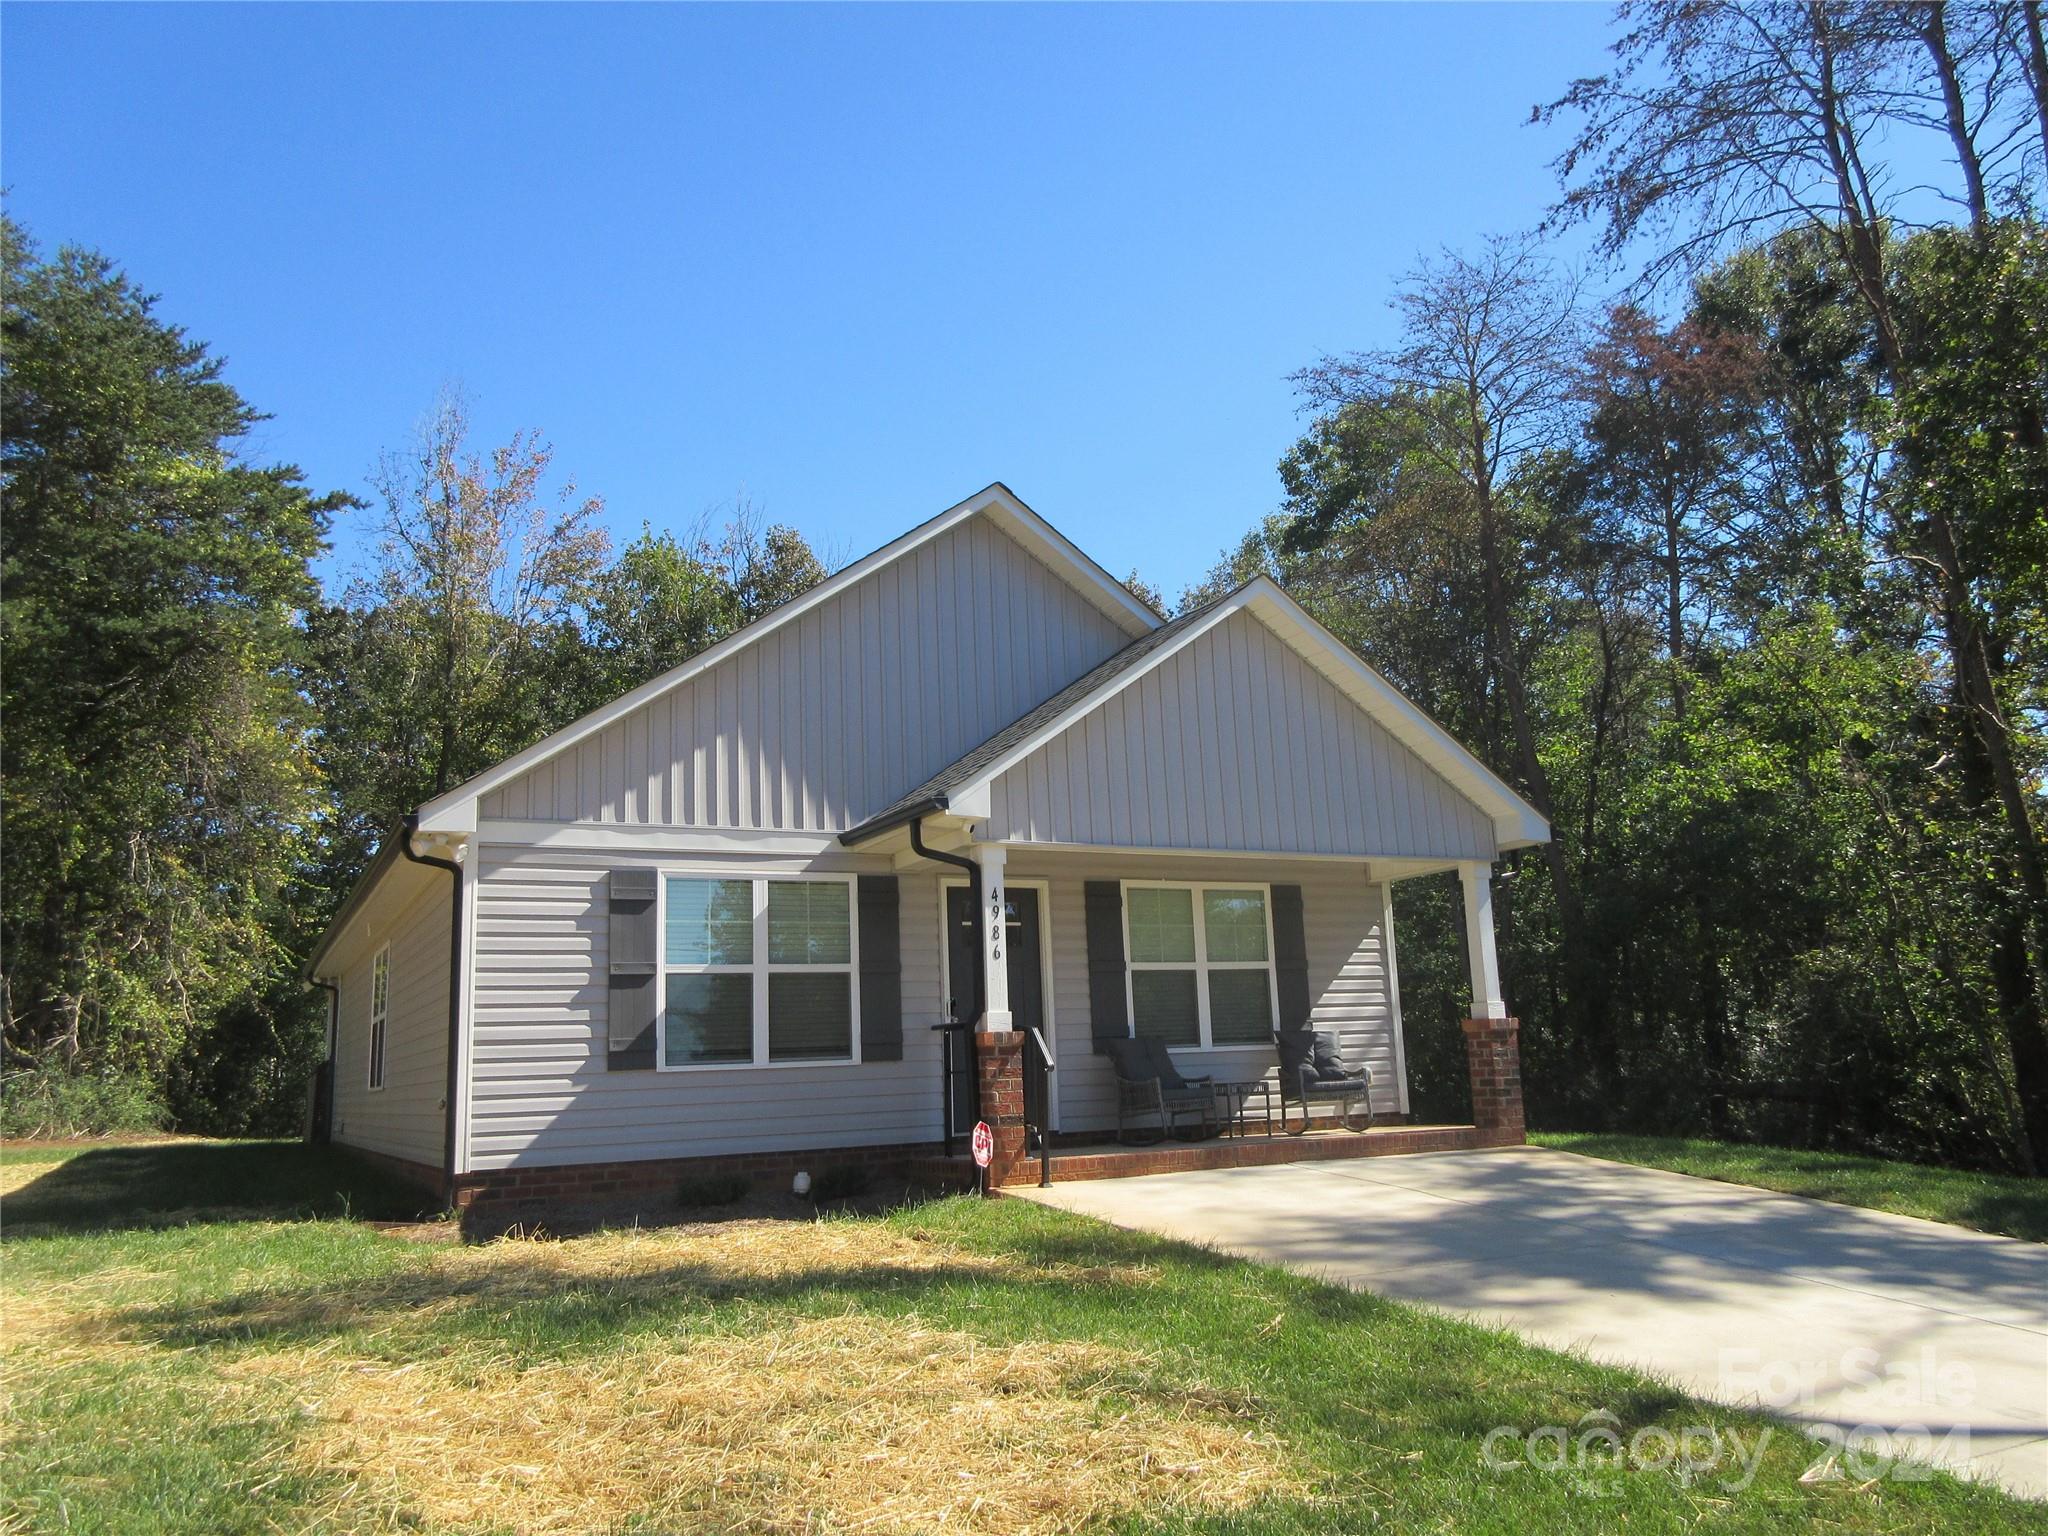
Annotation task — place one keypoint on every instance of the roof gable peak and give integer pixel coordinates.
(456, 809)
(964, 788)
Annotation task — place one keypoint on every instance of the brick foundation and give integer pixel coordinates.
(1493, 1055)
(649, 1185)
(653, 1181)
(999, 1067)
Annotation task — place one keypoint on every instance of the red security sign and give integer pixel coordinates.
(983, 1144)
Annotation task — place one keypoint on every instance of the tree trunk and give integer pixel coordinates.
(1519, 720)
(2037, 65)
(1674, 609)
(1581, 976)
(2019, 930)
(2020, 980)
(1934, 35)
(1714, 1027)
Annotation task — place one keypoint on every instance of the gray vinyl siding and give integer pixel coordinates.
(405, 1117)
(818, 724)
(1343, 922)
(542, 1093)
(1236, 743)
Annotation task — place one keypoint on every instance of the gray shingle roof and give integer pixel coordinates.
(931, 795)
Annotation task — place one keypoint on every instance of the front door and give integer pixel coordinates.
(1027, 985)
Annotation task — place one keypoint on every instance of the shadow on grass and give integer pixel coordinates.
(1999, 1203)
(1389, 1404)
(1306, 1357)
(122, 1188)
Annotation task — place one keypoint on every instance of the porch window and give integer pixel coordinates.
(757, 970)
(1200, 963)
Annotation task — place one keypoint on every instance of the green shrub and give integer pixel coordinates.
(49, 1099)
(713, 1189)
(839, 1181)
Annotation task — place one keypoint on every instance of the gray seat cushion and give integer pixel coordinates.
(1335, 1086)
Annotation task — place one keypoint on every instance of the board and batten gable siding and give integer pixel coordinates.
(827, 719)
(1235, 743)
(405, 1118)
(541, 1093)
(1343, 922)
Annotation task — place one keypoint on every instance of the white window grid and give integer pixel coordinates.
(1201, 965)
(761, 968)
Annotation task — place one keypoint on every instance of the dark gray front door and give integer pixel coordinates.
(1022, 949)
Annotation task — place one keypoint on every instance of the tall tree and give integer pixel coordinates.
(657, 605)
(763, 563)
(482, 558)
(1733, 119)
(1667, 439)
(461, 645)
(154, 775)
(1479, 386)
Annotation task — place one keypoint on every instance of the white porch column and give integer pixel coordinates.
(1487, 1003)
(994, 936)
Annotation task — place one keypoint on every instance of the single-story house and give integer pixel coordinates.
(968, 780)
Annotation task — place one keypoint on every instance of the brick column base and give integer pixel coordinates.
(999, 1064)
(1493, 1055)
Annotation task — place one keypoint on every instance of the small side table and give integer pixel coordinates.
(1236, 1100)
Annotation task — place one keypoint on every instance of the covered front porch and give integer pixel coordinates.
(1191, 850)
(1053, 960)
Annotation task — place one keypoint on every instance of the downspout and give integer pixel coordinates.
(405, 835)
(960, 861)
(953, 1044)
(333, 991)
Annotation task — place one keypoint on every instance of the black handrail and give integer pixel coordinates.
(1044, 1131)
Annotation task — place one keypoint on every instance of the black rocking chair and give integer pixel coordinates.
(1148, 1085)
(1311, 1069)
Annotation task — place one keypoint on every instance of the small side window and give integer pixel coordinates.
(380, 1008)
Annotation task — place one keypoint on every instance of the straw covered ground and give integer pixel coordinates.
(954, 1367)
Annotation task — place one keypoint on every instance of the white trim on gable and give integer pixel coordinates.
(1516, 823)
(456, 810)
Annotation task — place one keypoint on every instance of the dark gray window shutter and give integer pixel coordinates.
(632, 995)
(1108, 1014)
(881, 970)
(1290, 957)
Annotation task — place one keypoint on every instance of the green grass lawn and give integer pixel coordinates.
(212, 1365)
(1989, 1202)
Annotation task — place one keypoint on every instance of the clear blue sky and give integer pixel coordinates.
(857, 260)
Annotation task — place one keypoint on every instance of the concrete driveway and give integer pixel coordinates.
(1827, 1314)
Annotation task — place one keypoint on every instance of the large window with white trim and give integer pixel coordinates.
(1200, 963)
(757, 970)
(380, 1012)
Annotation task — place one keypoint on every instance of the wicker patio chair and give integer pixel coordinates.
(1148, 1085)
